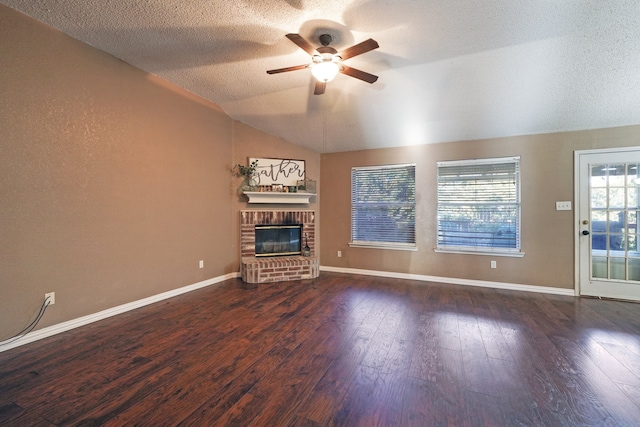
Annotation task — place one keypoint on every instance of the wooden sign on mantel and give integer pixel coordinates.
(279, 171)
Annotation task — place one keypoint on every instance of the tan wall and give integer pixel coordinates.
(547, 234)
(249, 142)
(113, 183)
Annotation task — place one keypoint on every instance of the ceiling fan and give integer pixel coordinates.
(327, 62)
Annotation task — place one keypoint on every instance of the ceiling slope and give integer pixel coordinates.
(449, 70)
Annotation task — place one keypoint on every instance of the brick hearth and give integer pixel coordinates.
(275, 269)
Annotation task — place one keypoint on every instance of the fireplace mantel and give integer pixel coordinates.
(278, 197)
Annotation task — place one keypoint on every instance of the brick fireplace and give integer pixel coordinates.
(275, 269)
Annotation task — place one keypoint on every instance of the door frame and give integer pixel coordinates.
(576, 203)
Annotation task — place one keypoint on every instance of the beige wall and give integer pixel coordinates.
(547, 234)
(113, 183)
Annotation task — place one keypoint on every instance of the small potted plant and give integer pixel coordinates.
(248, 173)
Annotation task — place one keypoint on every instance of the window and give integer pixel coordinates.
(383, 206)
(479, 206)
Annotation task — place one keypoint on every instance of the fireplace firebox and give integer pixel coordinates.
(278, 240)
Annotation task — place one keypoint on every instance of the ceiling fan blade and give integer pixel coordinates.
(358, 74)
(302, 43)
(320, 87)
(284, 70)
(359, 49)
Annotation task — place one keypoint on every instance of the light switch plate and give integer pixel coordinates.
(563, 206)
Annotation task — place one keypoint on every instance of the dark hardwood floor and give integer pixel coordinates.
(337, 350)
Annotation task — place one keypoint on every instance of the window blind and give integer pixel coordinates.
(479, 204)
(383, 204)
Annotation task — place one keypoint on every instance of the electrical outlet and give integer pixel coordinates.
(494, 264)
(201, 263)
(50, 298)
(339, 254)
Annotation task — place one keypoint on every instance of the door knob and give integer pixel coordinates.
(585, 232)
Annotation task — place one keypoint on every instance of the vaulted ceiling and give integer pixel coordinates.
(448, 69)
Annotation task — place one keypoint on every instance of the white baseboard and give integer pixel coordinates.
(454, 281)
(85, 320)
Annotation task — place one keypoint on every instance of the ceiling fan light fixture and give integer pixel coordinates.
(325, 71)
(327, 62)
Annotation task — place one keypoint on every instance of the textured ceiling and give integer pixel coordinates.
(449, 69)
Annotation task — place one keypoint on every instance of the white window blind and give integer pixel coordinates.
(479, 205)
(383, 205)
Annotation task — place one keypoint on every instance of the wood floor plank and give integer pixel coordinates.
(341, 349)
(223, 398)
(319, 406)
(584, 407)
(278, 393)
(27, 419)
(482, 410)
(448, 330)
(184, 393)
(383, 338)
(297, 421)
(604, 356)
(535, 372)
(478, 372)
(632, 392)
(425, 362)
(385, 406)
(8, 411)
(427, 404)
(604, 395)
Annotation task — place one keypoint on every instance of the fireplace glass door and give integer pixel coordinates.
(278, 240)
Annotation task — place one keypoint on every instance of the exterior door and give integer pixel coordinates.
(608, 208)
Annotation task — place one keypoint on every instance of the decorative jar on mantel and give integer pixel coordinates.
(249, 184)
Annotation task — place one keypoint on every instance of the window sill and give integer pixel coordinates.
(489, 253)
(398, 247)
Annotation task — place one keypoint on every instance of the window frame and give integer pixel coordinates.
(381, 244)
(483, 250)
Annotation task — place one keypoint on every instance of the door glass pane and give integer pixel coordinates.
(632, 244)
(632, 197)
(616, 198)
(599, 267)
(598, 176)
(617, 268)
(616, 221)
(617, 175)
(634, 269)
(598, 198)
(634, 251)
(599, 243)
(599, 217)
(632, 174)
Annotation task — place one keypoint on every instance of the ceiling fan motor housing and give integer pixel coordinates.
(325, 39)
